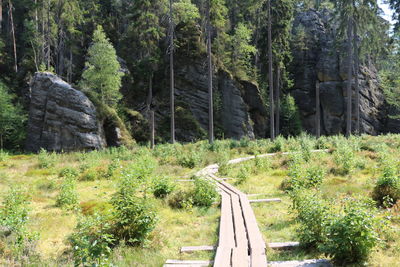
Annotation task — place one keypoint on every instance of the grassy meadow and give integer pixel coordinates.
(62, 189)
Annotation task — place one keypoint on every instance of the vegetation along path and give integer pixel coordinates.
(240, 240)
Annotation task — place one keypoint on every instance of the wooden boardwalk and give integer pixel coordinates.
(240, 242)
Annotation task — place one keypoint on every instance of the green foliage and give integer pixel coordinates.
(14, 233)
(222, 161)
(351, 235)
(4, 156)
(241, 52)
(102, 73)
(46, 160)
(163, 187)
(185, 12)
(68, 197)
(204, 193)
(135, 218)
(291, 123)
(387, 188)
(91, 241)
(12, 120)
(344, 158)
(312, 214)
(181, 199)
(69, 172)
(243, 174)
(190, 159)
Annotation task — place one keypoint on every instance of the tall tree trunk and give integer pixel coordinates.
(357, 87)
(172, 81)
(36, 17)
(270, 74)
(151, 111)
(317, 111)
(210, 81)
(1, 15)
(349, 75)
(70, 64)
(13, 35)
(277, 99)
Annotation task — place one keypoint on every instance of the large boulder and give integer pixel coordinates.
(61, 118)
(319, 56)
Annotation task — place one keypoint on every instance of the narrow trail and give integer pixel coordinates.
(240, 240)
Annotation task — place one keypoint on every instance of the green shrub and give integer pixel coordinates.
(296, 173)
(14, 235)
(204, 193)
(315, 175)
(112, 168)
(352, 235)
(135, 218)
(190, 159)
(344, 158)
(222, 161)
(306, 146)
(90, 175)
(68, 197)
(69, 172)
(312, 214)
(4, 156)
(163, 187)
(46, 160)
(278, 145)
(261, 164)
(92, 241)
(243, 174)
(387, 189)
(180, 200)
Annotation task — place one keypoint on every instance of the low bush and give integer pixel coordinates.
(222, 161)
(17, 241)
(312, 215)
(344, 158)
(351, 235)
(92, 241)
(163, 187)
(243, 174)
(46, 160)
(190, 159)
(4, 156)
(180, 200)
(204, 193)
(315, 175)
(69, 172)
(135, 218)
(68, 197)
(387, 189)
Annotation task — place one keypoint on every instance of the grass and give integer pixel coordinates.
(195, 227)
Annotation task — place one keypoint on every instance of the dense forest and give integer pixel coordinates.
(120, 53)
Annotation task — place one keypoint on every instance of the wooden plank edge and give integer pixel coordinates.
(197, 248)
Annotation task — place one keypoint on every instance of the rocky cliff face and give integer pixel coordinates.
(317, 56)
(239, 109)
(61, 118)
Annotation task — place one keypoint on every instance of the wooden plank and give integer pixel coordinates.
(226, 233)
(265, 200)
(258, 258)
(238, 222)
(197, 248)
(223, 257)
(188, 263)
(283, 245)
(302, 263)
(240, 257)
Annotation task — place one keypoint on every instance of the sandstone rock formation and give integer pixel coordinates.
(318, 56)
(238, 105)
(61, 118)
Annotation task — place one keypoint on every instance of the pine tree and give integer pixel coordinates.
(102, 74)
(11, 119)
